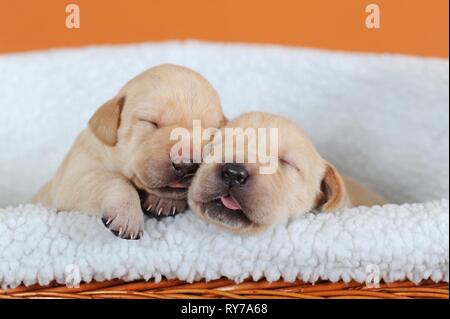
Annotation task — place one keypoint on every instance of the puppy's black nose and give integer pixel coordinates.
(234, 174)
(183, 169)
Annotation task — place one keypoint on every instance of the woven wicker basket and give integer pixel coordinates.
(223, 288)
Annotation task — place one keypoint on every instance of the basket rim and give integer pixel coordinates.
(228, 289)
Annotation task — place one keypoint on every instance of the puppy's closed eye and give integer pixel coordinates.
(289, 163)
(150, 122)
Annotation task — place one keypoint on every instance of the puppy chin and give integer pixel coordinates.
(162, 190)
(168, 192)
(229, 220)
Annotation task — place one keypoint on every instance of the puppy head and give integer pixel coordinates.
(238, 197)
(135, 126)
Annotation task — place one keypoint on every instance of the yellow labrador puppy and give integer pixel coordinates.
(121, 162)
(241, 197)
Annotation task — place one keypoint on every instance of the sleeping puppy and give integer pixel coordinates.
(239, 196)
(124, 152)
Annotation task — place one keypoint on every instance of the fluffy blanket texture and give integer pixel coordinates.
(382, 119)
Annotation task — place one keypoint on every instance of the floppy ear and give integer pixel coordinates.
(106, 121)
(333, 194)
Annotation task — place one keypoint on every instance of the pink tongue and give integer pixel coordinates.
(230, 203)
(178, 185)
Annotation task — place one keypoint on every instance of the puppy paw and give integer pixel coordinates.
(155, 206)
(124, 223)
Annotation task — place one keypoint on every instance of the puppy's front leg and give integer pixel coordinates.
(155, 206)
(121, 211)
(110, 195)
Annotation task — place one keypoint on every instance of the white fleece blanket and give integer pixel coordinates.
(383, 119)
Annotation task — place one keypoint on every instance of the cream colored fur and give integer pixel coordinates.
(126, 148)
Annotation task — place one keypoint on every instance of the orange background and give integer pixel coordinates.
(418, 27)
